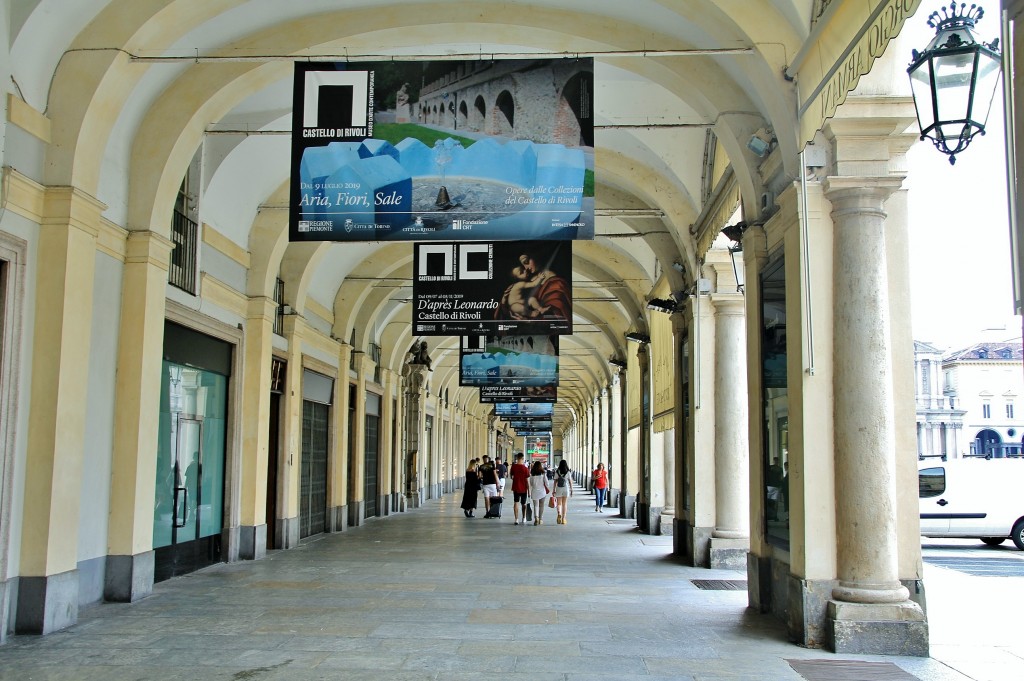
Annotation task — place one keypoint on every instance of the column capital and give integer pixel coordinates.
(150, 248)
(839, 188)
(71, 207)
(261, 308)
(729, 304)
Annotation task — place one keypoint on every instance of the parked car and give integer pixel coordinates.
(973, 499)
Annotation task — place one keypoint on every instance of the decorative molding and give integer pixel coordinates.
(28, 119)
(221, 294)
(319, 310)
(23, 196)
(113, 240)
(224, 245)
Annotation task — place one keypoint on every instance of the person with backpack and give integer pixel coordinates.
(563, 490)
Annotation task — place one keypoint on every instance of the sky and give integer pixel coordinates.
(960, 260)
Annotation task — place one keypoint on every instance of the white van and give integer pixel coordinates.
(973, 498)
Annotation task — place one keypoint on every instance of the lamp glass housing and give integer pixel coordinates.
(954, 82)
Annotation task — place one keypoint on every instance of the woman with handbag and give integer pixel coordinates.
(563, 490)
(539, 491)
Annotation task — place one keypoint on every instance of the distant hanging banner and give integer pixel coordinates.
(514, 410)
(442, 150)
(499, 288)
(518, 393)
(529, 360)
(531, 425)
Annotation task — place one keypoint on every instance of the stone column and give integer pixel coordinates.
(606, 445)
(48, 586)
(357, 456)
(869, 603)
(387, 410)
(338, 461)
(256, 365)
(730, 539)
(129, 573)
(668, 513)
(645, 508)
(415, 386)
(286, 532)
(680, 478)
(618, 418)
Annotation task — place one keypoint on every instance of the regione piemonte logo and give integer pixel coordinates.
(335, 99)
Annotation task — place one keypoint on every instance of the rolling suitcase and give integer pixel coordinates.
(495, 510)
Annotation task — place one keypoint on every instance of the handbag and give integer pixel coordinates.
(529, 512)
(551, 502)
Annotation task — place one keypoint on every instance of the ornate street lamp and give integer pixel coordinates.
(954, 80)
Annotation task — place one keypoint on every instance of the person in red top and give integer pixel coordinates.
(600, 486)
(520, 485)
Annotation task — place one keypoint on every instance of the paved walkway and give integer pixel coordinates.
(432, 595)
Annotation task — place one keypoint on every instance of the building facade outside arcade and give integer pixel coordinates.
(164, 408)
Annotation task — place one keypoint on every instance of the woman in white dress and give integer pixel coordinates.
(538, 491)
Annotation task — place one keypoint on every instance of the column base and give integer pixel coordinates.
(287, 533)
(627, 505)
(667, 523)
(252, 542)
(613, 497)
(395, 499)
(728, 553)
(384, 505)
(47, 604)
(6, 598)
(337, 518)
(129, 578)
(413, 500)
(356, 513)
(877, 628)
(653, 515)
(696, 543)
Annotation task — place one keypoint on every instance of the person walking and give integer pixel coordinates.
(502, 470)
(563, 490)
(520, 475)
(470, 490)
(600, 478)
(488, 481)
(539, 491)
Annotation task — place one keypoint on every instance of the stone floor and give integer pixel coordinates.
(430, 594)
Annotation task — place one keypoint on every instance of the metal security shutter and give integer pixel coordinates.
(313, 500)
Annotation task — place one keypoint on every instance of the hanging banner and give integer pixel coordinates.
(500, 288)
(530, 425)
(507, 410)
(508, 360)
(442, 150)
(518, 393)
(538, 448)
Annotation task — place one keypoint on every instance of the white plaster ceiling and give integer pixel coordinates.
(147, 120)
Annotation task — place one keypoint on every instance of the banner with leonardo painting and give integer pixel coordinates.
(498, 288)
(442, 150)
